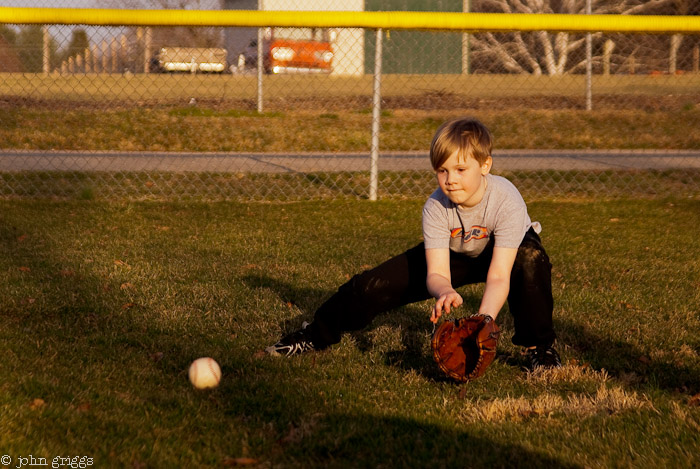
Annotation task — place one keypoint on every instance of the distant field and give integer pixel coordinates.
(330, 115)
(168, 89)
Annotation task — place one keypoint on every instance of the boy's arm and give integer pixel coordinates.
(497, 281)
(439, 282)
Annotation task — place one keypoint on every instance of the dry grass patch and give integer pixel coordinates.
(607, 399)
(572, 372)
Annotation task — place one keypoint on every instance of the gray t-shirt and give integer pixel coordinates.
(501, 214)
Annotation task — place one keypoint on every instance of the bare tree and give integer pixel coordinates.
(544, 52)
(178, 36)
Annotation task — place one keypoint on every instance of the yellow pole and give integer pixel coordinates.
(388, 20)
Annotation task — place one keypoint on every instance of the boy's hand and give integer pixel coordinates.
(445, 302)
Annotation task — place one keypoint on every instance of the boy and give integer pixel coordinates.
(475, 229)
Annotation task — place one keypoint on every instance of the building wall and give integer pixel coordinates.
(420, 52)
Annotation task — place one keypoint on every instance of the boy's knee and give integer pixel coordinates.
(531, 254)
(366, 284)
(532, 260)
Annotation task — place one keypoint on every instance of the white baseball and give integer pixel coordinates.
(205, 373)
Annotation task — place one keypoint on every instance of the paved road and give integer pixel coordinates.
(17, 160)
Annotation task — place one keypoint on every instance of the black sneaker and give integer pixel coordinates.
(293, 344)
(542, 356)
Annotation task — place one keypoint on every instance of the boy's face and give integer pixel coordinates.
(462, 180)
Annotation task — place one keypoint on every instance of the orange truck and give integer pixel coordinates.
(289, 55)
(299, 56)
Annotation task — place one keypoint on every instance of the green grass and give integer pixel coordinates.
(104, 305)
(211, 129)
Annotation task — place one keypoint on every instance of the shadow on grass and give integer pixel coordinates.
(371, 441)
(627, 362)
(309, 429)
(81, 312)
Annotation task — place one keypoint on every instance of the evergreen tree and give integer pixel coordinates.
(8, 34)
(78, 43)
(30, 47)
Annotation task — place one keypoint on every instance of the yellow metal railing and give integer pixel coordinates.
(387, 20)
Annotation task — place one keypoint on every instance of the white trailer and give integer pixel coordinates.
(192, 59)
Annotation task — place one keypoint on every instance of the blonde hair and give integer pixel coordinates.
(467, 136)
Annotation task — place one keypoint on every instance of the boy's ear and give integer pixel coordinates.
(486, 167)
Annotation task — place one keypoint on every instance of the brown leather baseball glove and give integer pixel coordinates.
(465, 347)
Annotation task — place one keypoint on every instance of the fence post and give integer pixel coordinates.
(114, 51)
(93, 55)
(123, 53)
(608, 48)
(143, 36)
(466, 66)
(376, 114)
(676, 40)
(105, 49)
(261, 69)
(88, 60)
(147, 49)
(589, 63)
(46, 50)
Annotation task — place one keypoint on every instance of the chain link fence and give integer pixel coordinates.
(287, 113)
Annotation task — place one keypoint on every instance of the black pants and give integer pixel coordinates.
(401, 281)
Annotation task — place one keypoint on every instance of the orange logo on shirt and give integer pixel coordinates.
(475, 232)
